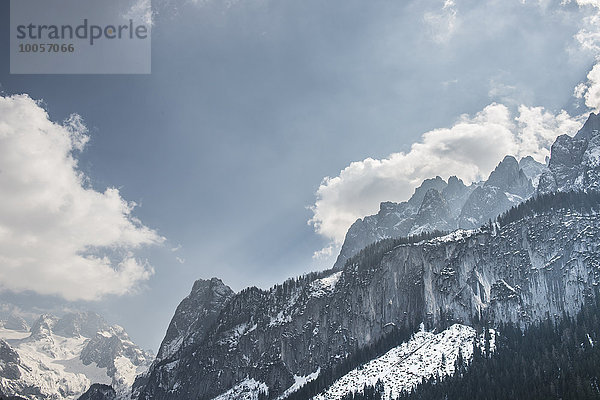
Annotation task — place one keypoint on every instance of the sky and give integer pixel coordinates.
(264, 130)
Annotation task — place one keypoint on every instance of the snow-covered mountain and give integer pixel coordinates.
(59, 358)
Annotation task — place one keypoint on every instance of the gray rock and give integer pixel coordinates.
(532, 169)
(574, 161)
(16, 323)
(80, 324)
(9, 362)
(195, 315)
(43, 326)
(99, 392)
(531, 268)
(434, 214)
(506, 187)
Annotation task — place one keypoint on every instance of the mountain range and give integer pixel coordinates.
(260, 343)
(59, 358)
(413, 296)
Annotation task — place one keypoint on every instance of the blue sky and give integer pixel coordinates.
(251, 104)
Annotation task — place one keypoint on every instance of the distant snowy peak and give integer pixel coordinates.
(574, 161)
(61, 357)
(434, 214)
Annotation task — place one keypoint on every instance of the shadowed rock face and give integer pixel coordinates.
(574, 161)
(532, 169)
(506, 187)
(530, 268)
(99, 392)
(434, 214)
(9, 364)
(195, 315)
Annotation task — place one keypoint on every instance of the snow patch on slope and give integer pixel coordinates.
(248, 389)
(324, 286)
(425, 355)
(299, 381)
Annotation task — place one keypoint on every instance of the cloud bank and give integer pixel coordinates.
(59, 236)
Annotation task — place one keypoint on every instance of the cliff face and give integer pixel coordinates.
(195, 315)
(544, 264)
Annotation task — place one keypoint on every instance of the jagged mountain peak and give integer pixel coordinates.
(508, 176)
(454, 182)
(44, 325)
(434, 214)
(574, 161)
(590, 128)
(215, 285)
(532, 169)
(195, 314)
(433, 183)
(72, 324)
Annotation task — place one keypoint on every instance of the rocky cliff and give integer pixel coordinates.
(536, 264)
(544, 264)
(574, 161)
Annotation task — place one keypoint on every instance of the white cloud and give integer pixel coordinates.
(58, 236)
(589, 39)
(141, 10)
(442, 23)
(470, 149)
(590, 90)
(325, 253)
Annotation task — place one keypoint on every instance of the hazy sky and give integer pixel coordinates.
(250, 105)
